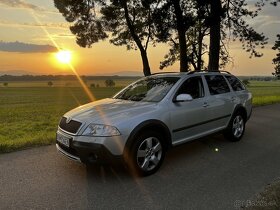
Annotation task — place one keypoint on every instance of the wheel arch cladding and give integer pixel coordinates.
(242, 110)
(153, 125)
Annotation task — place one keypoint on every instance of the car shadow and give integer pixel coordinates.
(116, 181)
(179, 153)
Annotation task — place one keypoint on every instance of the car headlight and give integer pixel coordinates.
(101, 130)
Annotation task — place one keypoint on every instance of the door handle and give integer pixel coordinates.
(205, 104)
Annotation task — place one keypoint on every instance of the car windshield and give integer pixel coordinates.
(151, 89)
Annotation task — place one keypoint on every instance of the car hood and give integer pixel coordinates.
(108, 110)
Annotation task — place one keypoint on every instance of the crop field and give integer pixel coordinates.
(29, 113)
(29, 116)
(265, 92)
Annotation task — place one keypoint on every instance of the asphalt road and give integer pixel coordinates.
(193, 176)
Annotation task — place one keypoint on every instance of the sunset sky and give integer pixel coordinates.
(27, 28)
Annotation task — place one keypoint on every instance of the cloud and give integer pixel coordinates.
(65, 36)
(21, 4)
(46, 25)
(21, 47)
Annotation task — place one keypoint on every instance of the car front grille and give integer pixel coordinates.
(71, 127)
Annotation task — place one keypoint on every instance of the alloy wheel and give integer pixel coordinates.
(238, 126)
(149, 154)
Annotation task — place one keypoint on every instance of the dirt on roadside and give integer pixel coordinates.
(269, 198)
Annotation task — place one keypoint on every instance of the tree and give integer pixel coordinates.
(87, 25)
(233, 16)
(173, 19)
(50, 83)
(215, 34)
(276, 60)
(110, 83)
(183, 22)
(5, 84)
(196, 48)
(129, 23)
(199, 24)
(132, 25)
(223, 20)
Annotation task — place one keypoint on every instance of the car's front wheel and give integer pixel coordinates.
(147, 154)
(236, 127)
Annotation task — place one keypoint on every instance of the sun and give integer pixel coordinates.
(64, 56)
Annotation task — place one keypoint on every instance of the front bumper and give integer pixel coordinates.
(87, 150)
(68, 155)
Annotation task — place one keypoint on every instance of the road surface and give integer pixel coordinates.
(193, 176)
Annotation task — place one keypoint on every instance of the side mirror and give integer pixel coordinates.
(184, 98)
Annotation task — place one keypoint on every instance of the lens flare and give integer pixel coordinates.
(64, 56)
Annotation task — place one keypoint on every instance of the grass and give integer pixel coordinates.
(29, 116)
(265, 93)
(29, 113)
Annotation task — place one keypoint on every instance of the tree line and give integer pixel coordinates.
(192, 29)
(7, 78)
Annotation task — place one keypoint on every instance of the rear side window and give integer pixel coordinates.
(217, 84)
(235, 83)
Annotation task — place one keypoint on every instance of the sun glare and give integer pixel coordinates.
(64, 56)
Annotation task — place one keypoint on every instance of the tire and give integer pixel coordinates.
(146, 154)
(236, 127)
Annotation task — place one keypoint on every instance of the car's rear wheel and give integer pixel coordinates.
(147, 154)
(236, 127)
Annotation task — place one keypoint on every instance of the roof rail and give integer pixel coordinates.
(165, 72)
(225, 72)
(191, 72)
(221, 71)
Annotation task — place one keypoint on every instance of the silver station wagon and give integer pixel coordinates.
(145, 119)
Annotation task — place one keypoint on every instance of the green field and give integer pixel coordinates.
(29, 113)
(265, 92)
(29, 116)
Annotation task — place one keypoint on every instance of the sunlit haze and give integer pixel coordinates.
(18, 25)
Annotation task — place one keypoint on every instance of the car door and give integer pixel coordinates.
(188, 119)
(242, 96)
(220, 101)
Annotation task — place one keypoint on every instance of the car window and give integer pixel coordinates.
(192, 86)
(151, 89)
(235, 83)
(217, 84)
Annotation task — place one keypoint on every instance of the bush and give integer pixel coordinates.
(110, 83)
(50, 84)
(92, 85)
(5, 84)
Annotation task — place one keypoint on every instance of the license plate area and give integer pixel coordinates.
(63, 139)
